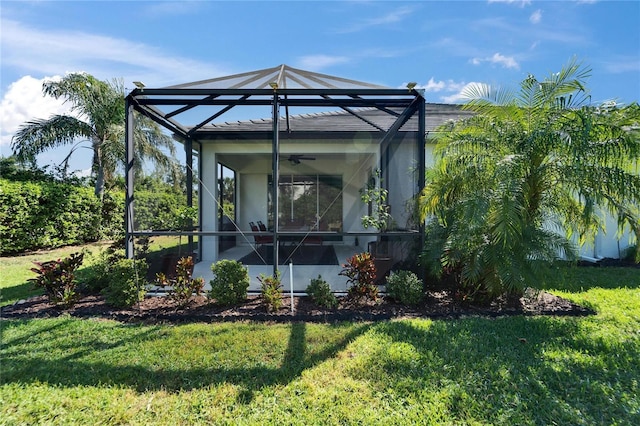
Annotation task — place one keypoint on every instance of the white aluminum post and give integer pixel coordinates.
(291, 281)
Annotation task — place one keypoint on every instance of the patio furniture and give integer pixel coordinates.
(260, 240)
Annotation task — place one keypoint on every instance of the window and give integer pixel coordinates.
(308, 202)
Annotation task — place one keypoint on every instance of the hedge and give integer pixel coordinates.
(41, 215)
(37, 215)
(157, 210)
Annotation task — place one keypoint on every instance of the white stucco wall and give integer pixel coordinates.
(402, 180)
(209, 206)
(608, 243)
(252, 200)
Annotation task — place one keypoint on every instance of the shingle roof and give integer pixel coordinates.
(342, 121)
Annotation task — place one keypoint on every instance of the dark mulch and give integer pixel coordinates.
(608, 261)
(437, 304)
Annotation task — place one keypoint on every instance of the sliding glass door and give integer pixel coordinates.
(309, 202)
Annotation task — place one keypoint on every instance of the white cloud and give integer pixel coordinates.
(454, 89)
(82, 173)
(172, 8)
(498, 59)
(536, 17)
(35, 53)
(433, 86)
(50, 52)
(393, 17)
(505, 61)
(622, 64)
(458, 97)
(440, 86)
(521, 3)
(25, 101)
(318, 62)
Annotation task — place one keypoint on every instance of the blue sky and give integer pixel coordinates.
(442, 45)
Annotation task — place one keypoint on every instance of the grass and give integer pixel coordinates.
(16, 270)
(511, 370)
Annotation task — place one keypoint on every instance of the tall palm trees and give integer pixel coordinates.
(534, 168)
(100, 108)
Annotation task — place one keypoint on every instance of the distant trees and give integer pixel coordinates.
(534, 168)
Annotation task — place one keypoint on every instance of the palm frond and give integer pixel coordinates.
(37, 136)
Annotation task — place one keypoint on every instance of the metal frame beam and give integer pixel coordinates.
(275, 158)
(268, 92)
(129, 178)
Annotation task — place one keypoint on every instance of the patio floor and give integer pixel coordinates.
(302, 274)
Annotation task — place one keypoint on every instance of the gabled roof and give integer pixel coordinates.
(284, 76)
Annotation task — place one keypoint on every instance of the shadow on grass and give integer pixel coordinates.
(519, 370)
(9, 295)
(79, 361)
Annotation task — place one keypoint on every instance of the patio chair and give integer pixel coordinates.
(260, 240)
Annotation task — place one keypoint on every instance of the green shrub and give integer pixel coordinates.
(632, 254)
(230, 282)
(320, 292)
(57, 278)
(37, 215)
(360, 271)
(405, 287)
(97, 277)
(112, 214)
(183, 286)
(126, 284)
(157, 209)
(271, 291)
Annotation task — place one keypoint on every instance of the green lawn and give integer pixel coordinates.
(570, 371)
(16, 270)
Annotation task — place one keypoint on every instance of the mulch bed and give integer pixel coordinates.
(437, 305)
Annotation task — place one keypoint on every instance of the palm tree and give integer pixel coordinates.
(100, 108)
(532, 171)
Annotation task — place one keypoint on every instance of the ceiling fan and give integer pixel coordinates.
(295, 158)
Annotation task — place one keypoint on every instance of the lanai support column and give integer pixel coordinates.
(275, 159)
(421, 141)
(129, 178)
(422, 152)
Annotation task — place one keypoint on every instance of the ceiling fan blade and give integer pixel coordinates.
(295, 158)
